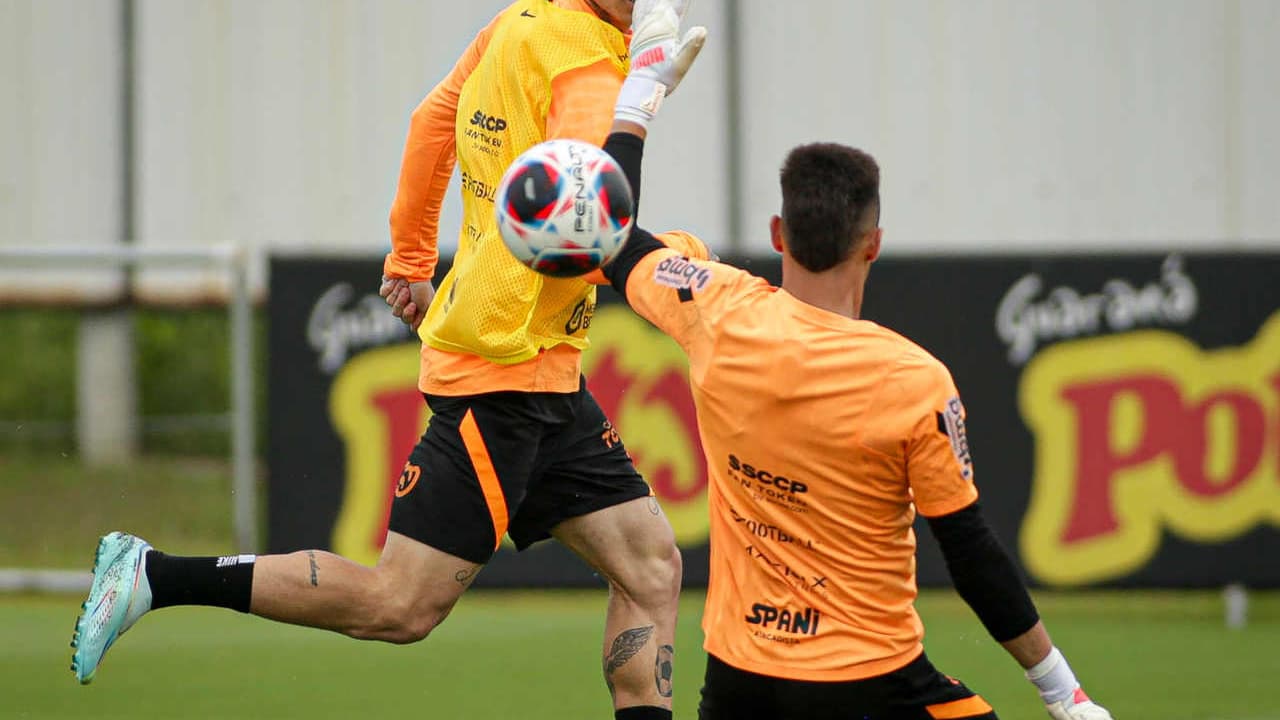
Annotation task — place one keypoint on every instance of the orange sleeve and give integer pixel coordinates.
(684, 297)
(425, 171)
(582, 103)
(678, 240)
(686, 244)
(939, 467)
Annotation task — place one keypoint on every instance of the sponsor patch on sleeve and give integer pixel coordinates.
(681, 274)
(951, 424)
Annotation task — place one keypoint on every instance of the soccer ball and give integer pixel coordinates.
(564, 208)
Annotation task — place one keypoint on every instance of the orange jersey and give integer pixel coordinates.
(823, 436)
(506, 330)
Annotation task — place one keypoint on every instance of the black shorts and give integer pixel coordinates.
(915, 692)
(512, 463)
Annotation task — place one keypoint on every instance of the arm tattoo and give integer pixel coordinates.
(654, 507)
(315, 568)
(625, 646)
(464, 577)
(662, 670)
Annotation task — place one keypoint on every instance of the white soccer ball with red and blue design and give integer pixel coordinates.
(564, 208)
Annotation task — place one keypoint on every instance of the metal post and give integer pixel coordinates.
(128, 132)
(107, 425)
(244, 487)
(1235, 599)
(734, 161)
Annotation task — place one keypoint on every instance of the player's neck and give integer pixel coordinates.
(838, 290)
(607, 16)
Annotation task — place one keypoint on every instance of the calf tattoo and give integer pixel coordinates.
(625, 646)
(662, 670)
(464, 577)
(315, 568)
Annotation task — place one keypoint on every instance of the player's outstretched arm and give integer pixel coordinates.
(660, 58)
(986, 577)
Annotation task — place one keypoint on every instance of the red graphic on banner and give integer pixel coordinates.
(610, 385)
(1143, 432)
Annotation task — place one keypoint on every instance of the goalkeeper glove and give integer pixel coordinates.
(659, 58)
(1078, 707)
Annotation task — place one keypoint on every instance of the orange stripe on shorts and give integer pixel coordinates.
(493, 496)
(968, 707)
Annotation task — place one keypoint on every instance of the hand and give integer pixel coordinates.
(1078, 707)
(656, 25)
(659, 57)
(408, 301)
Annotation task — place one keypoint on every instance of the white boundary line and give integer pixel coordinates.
(15, 580)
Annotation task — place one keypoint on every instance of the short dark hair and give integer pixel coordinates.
(830, 199)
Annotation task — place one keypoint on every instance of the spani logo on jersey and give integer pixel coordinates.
(798, 621)
(564, 208)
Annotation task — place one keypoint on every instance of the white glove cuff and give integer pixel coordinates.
(639, 99)
(1053, 677)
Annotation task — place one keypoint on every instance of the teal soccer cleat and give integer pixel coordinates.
(119, 596)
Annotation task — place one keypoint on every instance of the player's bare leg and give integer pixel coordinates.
(633, 547)
(411, 590)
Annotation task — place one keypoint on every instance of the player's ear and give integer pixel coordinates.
(872, 250)
(775, 232)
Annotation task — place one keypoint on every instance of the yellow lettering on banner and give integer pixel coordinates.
(1141, 432)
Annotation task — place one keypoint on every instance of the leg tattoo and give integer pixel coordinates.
(315, 568)
(464, 577)
(625, 646)
(662, 670)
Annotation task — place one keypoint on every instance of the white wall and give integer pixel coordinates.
(1001, 125)
(60, 158)
(1016, 125)
(280, 123)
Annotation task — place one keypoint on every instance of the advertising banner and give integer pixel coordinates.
(1123, 412)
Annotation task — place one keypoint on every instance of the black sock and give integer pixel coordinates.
(216, 581)
(644, 712)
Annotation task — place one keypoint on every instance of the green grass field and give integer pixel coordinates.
(531, 656)
(53, 509)
(524, 656)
